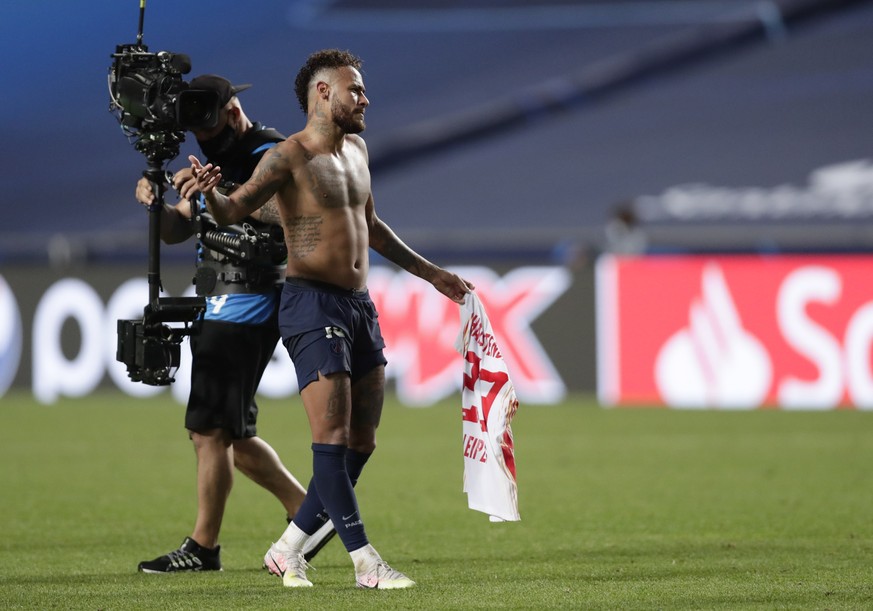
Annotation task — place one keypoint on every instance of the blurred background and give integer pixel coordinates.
(504, 135)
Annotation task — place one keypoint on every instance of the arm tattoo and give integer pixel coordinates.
(269, 212)
(268, 177)
(401, 255)
(304, 235)
(386, 243)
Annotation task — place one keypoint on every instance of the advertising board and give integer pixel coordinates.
(735, 332)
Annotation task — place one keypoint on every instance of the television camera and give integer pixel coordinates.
(154, 106)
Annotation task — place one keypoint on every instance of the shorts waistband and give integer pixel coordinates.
(325, 287)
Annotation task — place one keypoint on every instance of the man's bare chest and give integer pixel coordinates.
(336, 182)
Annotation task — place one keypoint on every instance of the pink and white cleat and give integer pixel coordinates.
(289, 565)
(380, 576)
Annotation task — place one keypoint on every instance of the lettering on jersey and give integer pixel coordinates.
(474, 373)
(474, 448)
(485, 340)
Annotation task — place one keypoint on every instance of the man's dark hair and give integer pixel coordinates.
(327, 58)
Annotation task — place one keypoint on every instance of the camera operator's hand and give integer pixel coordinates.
(144, 192)
(175, 219)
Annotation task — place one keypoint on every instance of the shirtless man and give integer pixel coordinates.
(321, 181)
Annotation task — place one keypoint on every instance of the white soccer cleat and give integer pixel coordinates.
(290, 566)
(380, 576)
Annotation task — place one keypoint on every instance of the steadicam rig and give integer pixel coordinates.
(154, 106)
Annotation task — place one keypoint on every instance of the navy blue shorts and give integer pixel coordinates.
(329, 329)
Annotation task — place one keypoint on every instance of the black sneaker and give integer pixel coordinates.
(189, 557)
(318, 540)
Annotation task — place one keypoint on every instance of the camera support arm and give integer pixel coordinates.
(163, 309)
(158, 179)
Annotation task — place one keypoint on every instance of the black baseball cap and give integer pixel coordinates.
(220, 85)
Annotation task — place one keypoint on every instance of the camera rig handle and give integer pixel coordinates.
(158, 179)
(163, 309)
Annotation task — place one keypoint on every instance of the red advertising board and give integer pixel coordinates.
(735, 332)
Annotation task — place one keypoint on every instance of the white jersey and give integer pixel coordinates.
(488, 405)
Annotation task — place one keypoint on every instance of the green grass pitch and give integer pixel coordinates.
(621, 509)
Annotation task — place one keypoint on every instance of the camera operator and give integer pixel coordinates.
(233, 343)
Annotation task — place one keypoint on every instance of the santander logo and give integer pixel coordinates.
(713, 361)
(736, 332)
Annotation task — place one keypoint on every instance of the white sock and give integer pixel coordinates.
(293, 539)
(364, 558)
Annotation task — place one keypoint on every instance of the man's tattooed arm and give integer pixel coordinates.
(385, 242)
(268, 213)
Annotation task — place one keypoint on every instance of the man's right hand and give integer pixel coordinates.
(185, 183)
(206, 177)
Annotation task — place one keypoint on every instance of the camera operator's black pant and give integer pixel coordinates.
(228, 360)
